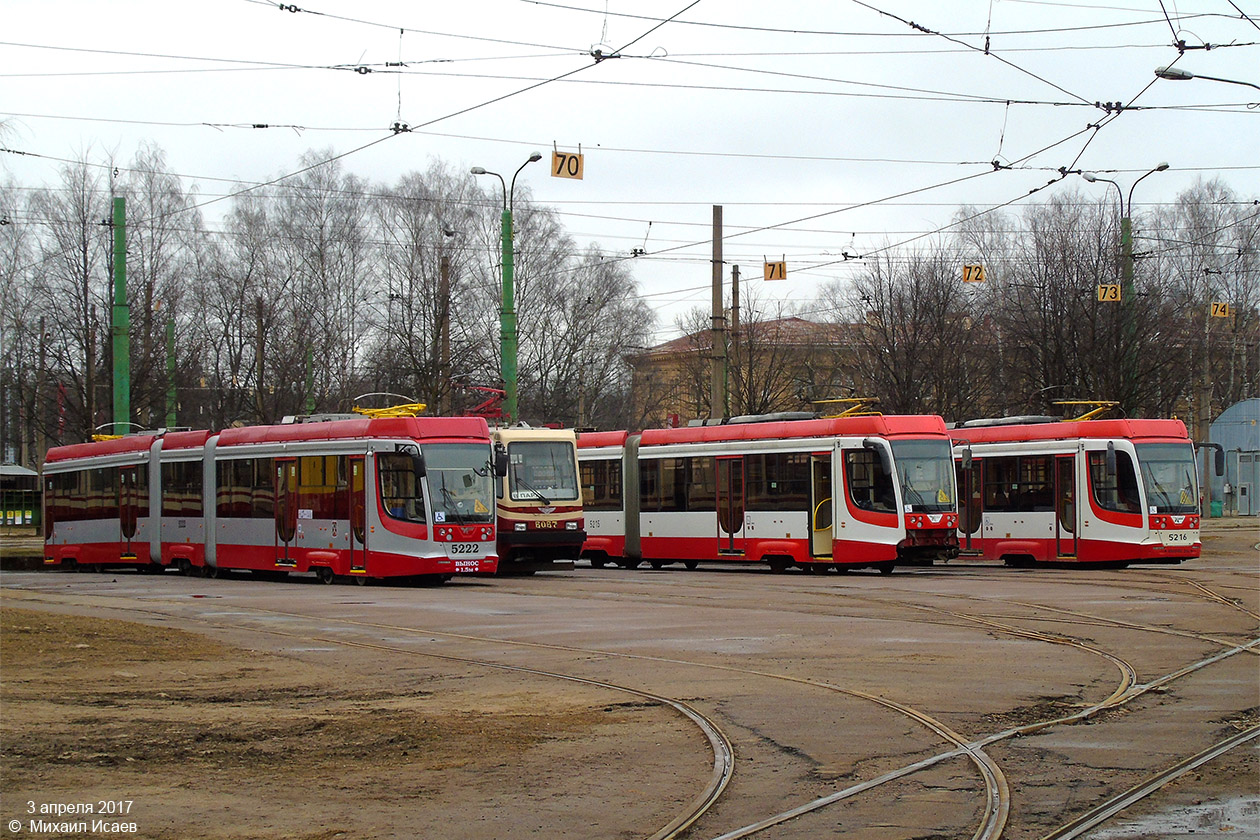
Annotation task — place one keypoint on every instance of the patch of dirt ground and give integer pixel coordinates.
(212, 741)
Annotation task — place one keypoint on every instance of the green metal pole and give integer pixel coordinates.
(1128, 300)
(309, 403)
(507, 323)
(170, 373)
(121, 323)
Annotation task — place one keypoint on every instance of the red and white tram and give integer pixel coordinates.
(842, 492)
(1112, 491)
(362, 498)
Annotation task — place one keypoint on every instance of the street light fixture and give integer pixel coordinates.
(507, 314)
(1178, 75)
(1127, 290)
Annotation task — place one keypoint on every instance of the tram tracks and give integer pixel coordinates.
(997, 795)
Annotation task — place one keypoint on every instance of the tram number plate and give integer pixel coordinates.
(464, 548)
(1179, 537)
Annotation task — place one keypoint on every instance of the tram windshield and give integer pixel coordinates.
(1170, 477)
(925, 471)
(461, 482)
(541, 471)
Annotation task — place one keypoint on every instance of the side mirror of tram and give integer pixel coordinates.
(885, 460)
(966, 458)
(1111, 459)
(500, 460)
(1218, 462)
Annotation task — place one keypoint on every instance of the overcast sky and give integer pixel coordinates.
(821, 126)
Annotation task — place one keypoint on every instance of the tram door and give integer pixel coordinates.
(730, 504)
(358, 515)
(970, 510)
(128, 508)
(286, 511)
(821, 523)
(1065, 505)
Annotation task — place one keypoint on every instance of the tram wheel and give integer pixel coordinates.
(597, 562)
(778, 565)
(885, 568)
(209, 571)
(324, 574)
(630, 564)
(360, 580)
(691, 564)
(657, 564)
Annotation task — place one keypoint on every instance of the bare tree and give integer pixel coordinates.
(73, 293)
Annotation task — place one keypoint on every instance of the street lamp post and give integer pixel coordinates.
(507, 313)
(1128, 291)
(1176, 74)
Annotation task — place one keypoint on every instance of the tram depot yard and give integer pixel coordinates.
(608, 703)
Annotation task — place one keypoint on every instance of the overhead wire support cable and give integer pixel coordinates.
(849, 34)
(985, 50)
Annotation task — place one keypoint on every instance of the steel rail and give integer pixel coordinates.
(723, 751)
(1109, 809)
(997, 790)
(1007, 734)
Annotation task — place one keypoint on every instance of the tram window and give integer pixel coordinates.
(778, 481)
(1117, 492)
(181, 488)
(401, 493)
(601, 485)
(66, 499)
(322, 481)
(650, 485)
(673, 484)
(870, 487)
(701, 484)
(102, 494)
(1019, 484)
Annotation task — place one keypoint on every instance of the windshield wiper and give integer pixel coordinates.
(452, 506)
(907, 489)
(531, 488)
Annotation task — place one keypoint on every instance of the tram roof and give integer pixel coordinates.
(99, 448)
(590, 440)
(366, 427)
(886, 425)
(1128, 429)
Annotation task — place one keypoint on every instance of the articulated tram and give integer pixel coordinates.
(844, 492)
(360, 498)
(1113, 491)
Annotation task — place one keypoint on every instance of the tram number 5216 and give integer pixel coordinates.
(567, 165)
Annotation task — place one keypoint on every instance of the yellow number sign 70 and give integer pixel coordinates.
(567, 165)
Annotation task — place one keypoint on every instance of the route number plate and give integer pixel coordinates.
(567, 165)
